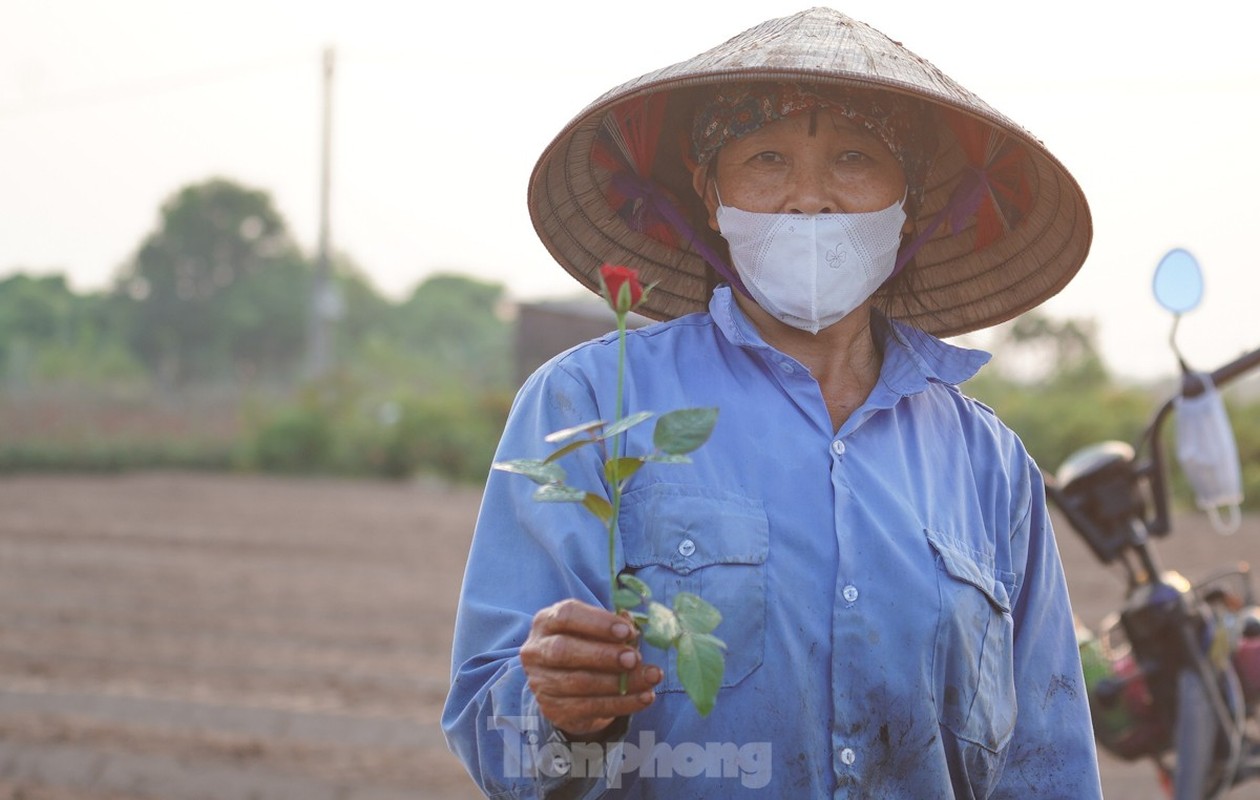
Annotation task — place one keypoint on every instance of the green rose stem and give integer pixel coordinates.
(621, 306)
(616, 452)
(623, 301)
(687, 627)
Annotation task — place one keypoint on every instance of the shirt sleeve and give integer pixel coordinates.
(1052, 752)
(525, 556)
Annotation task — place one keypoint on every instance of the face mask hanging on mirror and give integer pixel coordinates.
(811, 270)
(1209, 455)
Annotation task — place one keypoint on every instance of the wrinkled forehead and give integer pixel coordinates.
(809, 123)
(736, 110)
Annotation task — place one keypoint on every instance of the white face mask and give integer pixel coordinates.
(811, 270)
(1209, 455)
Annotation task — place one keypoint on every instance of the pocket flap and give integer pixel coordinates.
(968, 566)
(688, 527)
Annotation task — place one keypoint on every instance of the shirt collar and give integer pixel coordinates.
(731, 321)
(912, 358)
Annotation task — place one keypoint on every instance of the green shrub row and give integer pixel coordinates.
(115, 456)
(327, 430)
(335, 428)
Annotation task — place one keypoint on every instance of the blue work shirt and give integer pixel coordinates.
(894, 608)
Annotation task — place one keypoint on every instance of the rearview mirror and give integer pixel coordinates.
(1178, 282)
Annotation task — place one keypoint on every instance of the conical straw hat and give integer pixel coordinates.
(1002, 225)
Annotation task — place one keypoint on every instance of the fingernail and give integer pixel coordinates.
(628, 659)
(621, 630)
(647, 697)
(654, 674)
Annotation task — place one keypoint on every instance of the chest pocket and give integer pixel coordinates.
(973, 663)
(712, 543)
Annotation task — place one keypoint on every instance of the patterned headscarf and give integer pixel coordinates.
(906, 125)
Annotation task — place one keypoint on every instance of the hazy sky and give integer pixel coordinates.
(108, 108)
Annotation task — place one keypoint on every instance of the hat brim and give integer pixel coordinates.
(953, 286)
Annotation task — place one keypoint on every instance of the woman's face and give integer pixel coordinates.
(809, 163)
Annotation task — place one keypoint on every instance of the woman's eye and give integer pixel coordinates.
(768, 157)
(852, 156)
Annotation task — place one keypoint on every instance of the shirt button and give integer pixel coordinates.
(847, 756)
(850, 593)
(687, 547)
(837, 447)
(787, 367)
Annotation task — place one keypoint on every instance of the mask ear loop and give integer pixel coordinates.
(720, 266)
(1226, 525)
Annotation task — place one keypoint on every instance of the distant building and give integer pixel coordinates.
(549, 327)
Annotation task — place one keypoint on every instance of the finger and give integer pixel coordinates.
(587, 713)
(565, 652)
(582, 619)
(568, 683)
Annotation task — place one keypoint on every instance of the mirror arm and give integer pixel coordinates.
(1239, 366)
(1172, 341)
(1187, 389)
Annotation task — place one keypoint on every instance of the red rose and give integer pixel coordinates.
(613, 278)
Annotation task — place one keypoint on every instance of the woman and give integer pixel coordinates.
(895, 612)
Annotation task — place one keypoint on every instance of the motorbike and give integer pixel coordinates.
(1174, 675)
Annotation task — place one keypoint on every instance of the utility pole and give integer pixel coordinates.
(325, 300)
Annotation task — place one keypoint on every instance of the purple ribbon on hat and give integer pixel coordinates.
(962, 206)
(650, 198)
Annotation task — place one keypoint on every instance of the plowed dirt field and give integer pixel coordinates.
(181, 636)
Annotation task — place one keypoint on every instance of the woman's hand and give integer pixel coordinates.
(574, 658)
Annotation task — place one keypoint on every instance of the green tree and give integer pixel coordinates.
(34, 308)
(261, 320)
(50, 334)
(33, 312)
(1050, 385)
(1039, 350)
(365, 312)
(456, 324)
(218, 283)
